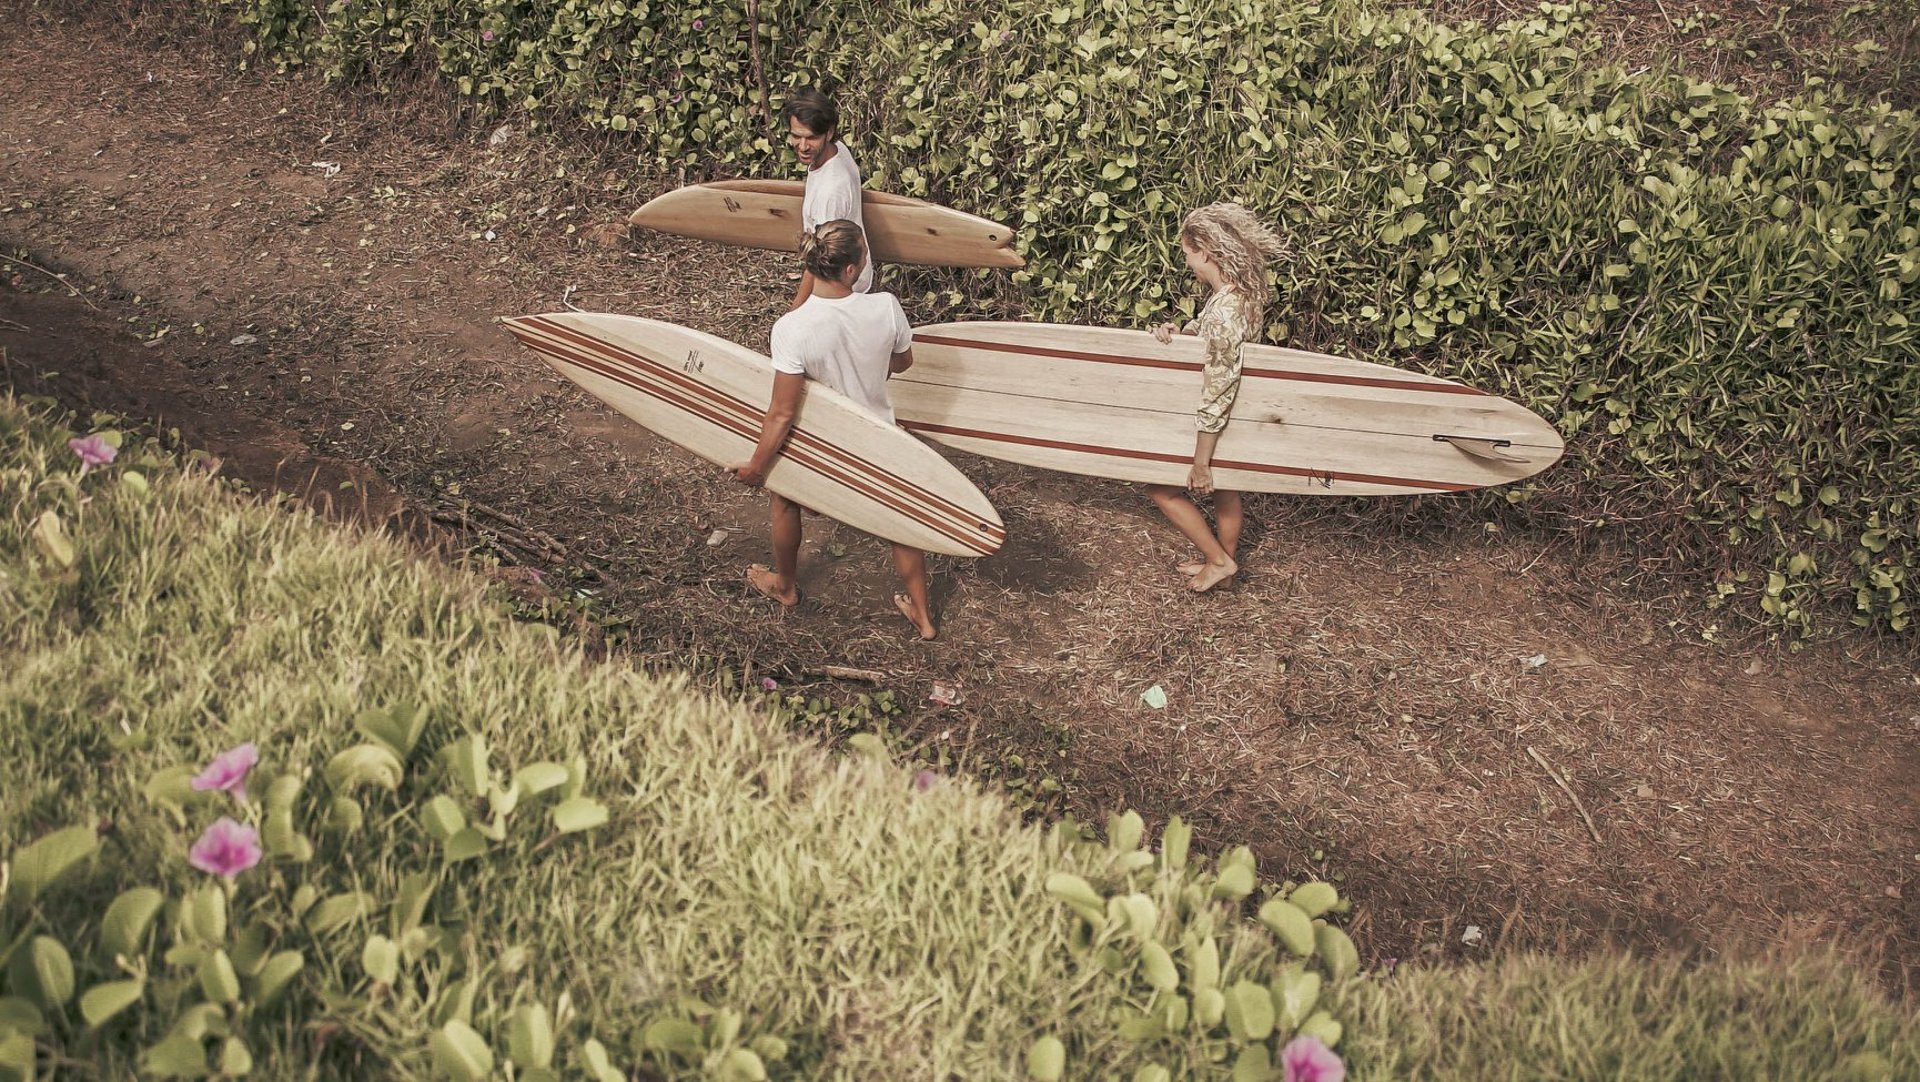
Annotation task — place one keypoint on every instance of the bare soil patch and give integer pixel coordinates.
(1466, 723)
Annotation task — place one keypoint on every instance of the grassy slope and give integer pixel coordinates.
(864, 923)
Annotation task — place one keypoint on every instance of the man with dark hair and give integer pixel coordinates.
(833, 179)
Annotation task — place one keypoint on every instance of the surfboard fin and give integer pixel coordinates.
(1492, 450)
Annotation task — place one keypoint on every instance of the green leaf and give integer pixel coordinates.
(178, 1056)
(218, 981)
(344, 815)
(1203, 963)
(364, 764)
(17, 1056)
(276, 975)
(173, 786)
(598, 1066)
(1080, 896)
(1295, 992)
(1314, 898)
(1286, 921)
(283, 791)
(742, 1065)
(204, 912)
(21, 1016)
(410, 901)
(51, 537)
(468, 756)
(37, 866)
(1156, 965)
(1235, 882)
(1250, 1013)
(1174, 842)
(442, 818)
(235, 1058)
(1337, 951)
(380, 958)
(1046, 1060)
(579, 813)
(672, 1035)
(339, 911)
(1321, 1025)
(1255, 1064)
(461, 1053)
(536, 778)
(397, 728)
(530, 1036)
(106, 1000)
(465, 845)
(43, 973)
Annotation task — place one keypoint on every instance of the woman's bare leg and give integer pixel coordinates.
(1189, 520)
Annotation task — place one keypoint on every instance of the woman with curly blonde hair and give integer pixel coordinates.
(1227, 248)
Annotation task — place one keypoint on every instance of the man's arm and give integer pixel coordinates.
(774, 428)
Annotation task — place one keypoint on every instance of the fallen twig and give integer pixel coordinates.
(1571, 795)
(61, 278)
(842, 672)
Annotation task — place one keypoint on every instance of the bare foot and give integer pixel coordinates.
(1212, 575)
(766, 582)
(912, 612)
(1191, 567)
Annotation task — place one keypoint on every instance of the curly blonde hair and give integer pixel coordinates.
(1242, 245)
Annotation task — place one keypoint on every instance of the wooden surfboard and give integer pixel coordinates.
(708, 395)
(1117, 404)
(766, 214)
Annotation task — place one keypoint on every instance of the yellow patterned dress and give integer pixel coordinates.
(1224, 325)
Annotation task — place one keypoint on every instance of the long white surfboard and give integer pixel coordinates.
(708, 395)
(766, 214)
(1118, 404)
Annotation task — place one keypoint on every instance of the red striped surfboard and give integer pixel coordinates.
(708, 395)
(1117, 404)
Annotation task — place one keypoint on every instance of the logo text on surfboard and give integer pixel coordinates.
(732, 204)
(693, 362)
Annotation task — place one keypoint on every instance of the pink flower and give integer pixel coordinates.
(699, 24)
(226, 848)
(228, 771)
(1305, 1059)
(924, 780)
(768, 683)
(93, 450)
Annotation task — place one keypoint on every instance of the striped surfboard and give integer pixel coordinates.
(1117, 404)
(708, 395)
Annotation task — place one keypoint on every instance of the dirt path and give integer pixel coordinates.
(1368, 703)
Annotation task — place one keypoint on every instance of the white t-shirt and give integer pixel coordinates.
(833, 192)
(847, 343)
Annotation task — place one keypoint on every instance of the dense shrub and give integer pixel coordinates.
(1713, 298)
